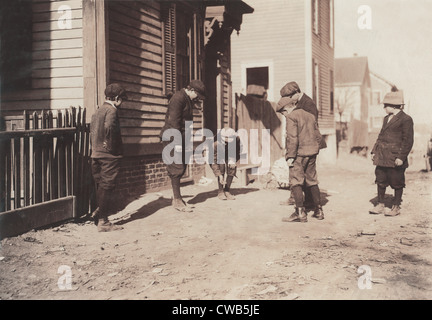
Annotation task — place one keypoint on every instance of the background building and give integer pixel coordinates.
(289, 41)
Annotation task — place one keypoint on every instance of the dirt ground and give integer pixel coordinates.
(237, 250)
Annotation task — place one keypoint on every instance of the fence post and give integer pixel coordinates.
(2, 167)
(37, 163)
(26, 161)
(61, 158)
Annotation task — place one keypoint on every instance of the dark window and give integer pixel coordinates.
(182, 46)
(258, 76)
(331, 92)
(15, 44)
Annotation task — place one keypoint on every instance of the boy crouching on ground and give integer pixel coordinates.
(226, 155)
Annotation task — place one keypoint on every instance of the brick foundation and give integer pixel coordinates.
(144, 174)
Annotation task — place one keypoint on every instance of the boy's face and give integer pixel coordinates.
(389, 109)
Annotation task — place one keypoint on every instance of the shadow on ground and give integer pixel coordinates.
(388, 201)
(147, 210)
(203, 196)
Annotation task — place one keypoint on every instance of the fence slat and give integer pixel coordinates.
(26, 161)
(46, 160)
(61, 159)
(2, 167)
(37, 163)
(8, 168)
(68, 156)
(17, 172)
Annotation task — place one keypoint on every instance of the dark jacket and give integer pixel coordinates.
(105, 133)
(303, 136)
(307, 104)
(179, 111)
(229, 158)
(395, 141)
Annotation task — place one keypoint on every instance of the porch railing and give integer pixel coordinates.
(47, 159)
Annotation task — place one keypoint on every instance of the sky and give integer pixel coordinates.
(397, 39)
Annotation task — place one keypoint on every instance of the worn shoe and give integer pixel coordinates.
(181, 206)
(222, 196)
(95, 216)
(302, 214)
(299, 215)
(229, 196)
(292, 218)
(318, 213)
(106, 226)
(378, 209)
(395, 211)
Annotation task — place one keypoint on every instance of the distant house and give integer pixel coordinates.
(57, 54)
(289, 41)
(352, 99)
(379, 88)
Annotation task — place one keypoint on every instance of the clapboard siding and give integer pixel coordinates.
(273, 34)
(57, 59)
(323, 53)
(135, 60)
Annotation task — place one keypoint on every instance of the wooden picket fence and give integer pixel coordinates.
(47, 159)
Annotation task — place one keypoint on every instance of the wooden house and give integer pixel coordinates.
(289, 40)
(352, 100)
(56, 54)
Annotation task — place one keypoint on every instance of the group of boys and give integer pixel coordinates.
(303, 143)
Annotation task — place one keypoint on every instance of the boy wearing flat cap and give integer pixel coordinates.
(292, 95)
(390, 152)
(180, 110)
(302, 147)
(107, 151)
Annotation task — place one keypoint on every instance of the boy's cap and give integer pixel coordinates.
(284, 102)
(114, 89)
(289, 89)
(199, 88)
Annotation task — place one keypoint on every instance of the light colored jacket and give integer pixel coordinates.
(303, 136)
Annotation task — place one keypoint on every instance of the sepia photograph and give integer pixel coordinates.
(214, 156)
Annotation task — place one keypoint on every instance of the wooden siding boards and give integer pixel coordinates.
(273, 33)
(57, 60)
(135, 60)
(324, 55)
(283, 42)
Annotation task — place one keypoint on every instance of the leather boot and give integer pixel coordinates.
(299, 215)
(105, 226)
(318, 213)
(395, 211)
(221, 195)
(180, 205)
(302, 214)
(229, 196)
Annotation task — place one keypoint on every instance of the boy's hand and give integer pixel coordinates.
(290, 162)
(398, 162)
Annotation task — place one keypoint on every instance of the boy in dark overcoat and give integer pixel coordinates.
(107, 152)
(390, 152)
(179, 111)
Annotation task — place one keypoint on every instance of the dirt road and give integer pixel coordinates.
(236, 249)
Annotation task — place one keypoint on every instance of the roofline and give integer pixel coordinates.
(382, 79)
